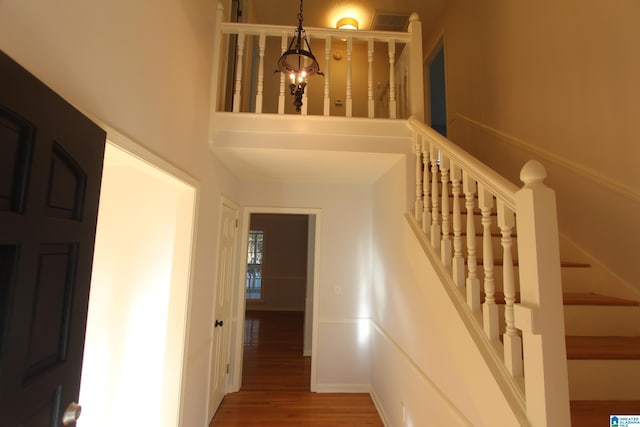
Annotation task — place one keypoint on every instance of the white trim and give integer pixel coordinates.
(138, 151)
(343, 388)
(146, 156)
(236, 380)
(381, 412)
(342, 320)
(462, 420)
(597, 178)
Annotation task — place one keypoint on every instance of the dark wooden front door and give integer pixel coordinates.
(50, 171)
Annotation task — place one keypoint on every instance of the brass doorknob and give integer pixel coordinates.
(71, 414)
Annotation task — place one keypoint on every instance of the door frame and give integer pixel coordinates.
(140, 152)
(238, 319)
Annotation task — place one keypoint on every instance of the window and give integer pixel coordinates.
(253, 283)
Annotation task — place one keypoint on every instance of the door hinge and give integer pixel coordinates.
(227, 368)
(237, 222)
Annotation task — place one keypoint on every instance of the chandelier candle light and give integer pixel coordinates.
(298, 63)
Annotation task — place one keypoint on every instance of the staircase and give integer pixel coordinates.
(468, 219)
(602, 339)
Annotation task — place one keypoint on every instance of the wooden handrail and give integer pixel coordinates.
(495, 183)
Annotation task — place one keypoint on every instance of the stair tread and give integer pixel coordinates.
(577, 298)
(481, 234)
(567, 264)
(595, 413)
(603, 348)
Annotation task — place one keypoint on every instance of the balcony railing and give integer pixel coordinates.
(366, 73)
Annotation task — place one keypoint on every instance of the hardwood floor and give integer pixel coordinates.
(595, 413)
(276, 378)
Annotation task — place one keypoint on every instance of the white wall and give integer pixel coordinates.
(423, 355)
(555, 81)
(139, 289)
(142, 68)
(343, 290)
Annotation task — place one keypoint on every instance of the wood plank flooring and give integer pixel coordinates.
(595, 413)
(276, 378)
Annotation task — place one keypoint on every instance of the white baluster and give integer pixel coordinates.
(370, 105)
(426, 199)
(417, 144)
(261, 43)
(283, 48)
(392, 80)
(216, 74)
(489, 308)
(238, 88)
(305, 103)
(473, 283)
(327, 57)
(349, 83)
(511, 339)
(445, 246)
(435, 214)
(416, 84)
(457, 265)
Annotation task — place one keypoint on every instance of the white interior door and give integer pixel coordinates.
(220, 337)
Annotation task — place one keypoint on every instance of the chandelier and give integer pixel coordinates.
(298, 63)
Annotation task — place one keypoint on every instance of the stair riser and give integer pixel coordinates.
(591, 320)
(587, 320)
(574, 279)
(604, 379)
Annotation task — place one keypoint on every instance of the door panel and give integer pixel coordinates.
(17, 138)
(51, 167)
(220, 344)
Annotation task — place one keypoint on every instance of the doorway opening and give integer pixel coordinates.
(437, 90)
(288, 282)
(134, 346)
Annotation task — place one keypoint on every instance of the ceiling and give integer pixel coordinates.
(269, 165)
(325, 13)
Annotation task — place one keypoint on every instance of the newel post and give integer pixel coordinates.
(416, 82)
(540, 314)
(215, 70)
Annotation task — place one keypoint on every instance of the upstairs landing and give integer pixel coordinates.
(292, 148)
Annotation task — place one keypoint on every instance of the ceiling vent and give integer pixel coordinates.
(390, 21)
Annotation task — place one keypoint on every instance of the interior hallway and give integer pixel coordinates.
(276, 378)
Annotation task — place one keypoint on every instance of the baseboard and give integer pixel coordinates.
(343, 388)
(380, 409)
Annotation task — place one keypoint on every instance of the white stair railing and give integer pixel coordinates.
(531, 353)
(405, 45)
